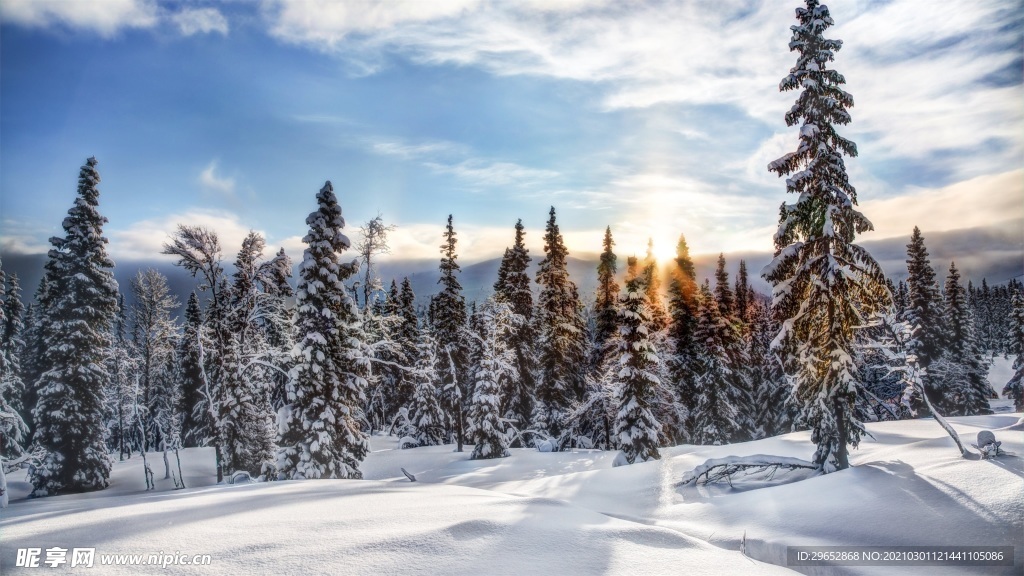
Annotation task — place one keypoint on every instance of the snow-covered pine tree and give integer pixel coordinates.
(274, 319)
(449, 326)
(606, 315)
(636, 429)
(777, 411)
(122, 399)
(737, 384)
(319, 431)
(33, 356)
(1014, 388)
(823, 284)
(682, 309)
(716, 418)
(406, 337)
(744, 295)
(13, 430)
(964, 379)
(924, 313)
(513, 287)
(12, 343)
(723, 293)
(153, 333)
(427, 422)
(196, 425)
(495, 370)
(81, 303)
(561, 338)
(651, 283)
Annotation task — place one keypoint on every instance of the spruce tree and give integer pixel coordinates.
(427, 422)
(651, 282)
(606, 322)
(1014, 388)
(925, 316)
(636, 428)
(744, 294)
(562, 336)
(966, 381)
(319, 431)
(682, 308)
(12, 342)
(449, 330)
(495, 370)
(407, 337)
(195, 424)
(824, 285)
(81, 303)
(723, 293)
(513, 287)
(716, 416)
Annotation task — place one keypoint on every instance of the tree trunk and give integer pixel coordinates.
(220, 468)
(842, 430)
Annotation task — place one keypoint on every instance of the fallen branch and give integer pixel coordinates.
(719, 469)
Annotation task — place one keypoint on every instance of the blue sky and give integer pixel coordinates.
(656, 118)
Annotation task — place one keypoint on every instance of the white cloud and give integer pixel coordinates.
(210, 180)
(192, 21)
(445, 157)
(105, 18)
(917, 75)
(980, 201)
(144, 240)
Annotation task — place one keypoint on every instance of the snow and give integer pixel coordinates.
(570, 512)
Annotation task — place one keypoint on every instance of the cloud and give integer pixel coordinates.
(936, 83)
(20, 237)
(978, 202)
(452, 158)
(209, 179)
(105, 18)
(144, 240)
(192, 21)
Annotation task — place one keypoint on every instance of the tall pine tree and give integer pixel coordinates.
(683, 306)
(319, 431)
(562, 336)
(513, 287)
(449, 330)
(81, 303)
(824, 284)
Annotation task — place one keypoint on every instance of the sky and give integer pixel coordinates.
(654, 118)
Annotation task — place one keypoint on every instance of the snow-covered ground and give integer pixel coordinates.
(550, 513)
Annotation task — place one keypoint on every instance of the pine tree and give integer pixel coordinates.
(744, 294)
(12, 343)
(562, 336)
(13, 431)
(924, 314)
(449, 330)
(723, 293)
(513, 287)
(33, 357)
(682, 309)
(196, 426)
(407, 336)
(81, 303)
(427, 422)
(824, 285)
(606, 324)
(716, 417)
(495, 370)
(651, 283)
(776, 409)
(1014, 388)
(965, 381)
(636, 428)
(319, 433)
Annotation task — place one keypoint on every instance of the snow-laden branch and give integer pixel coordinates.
(719, 469)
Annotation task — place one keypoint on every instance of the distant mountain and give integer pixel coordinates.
(995, 253)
